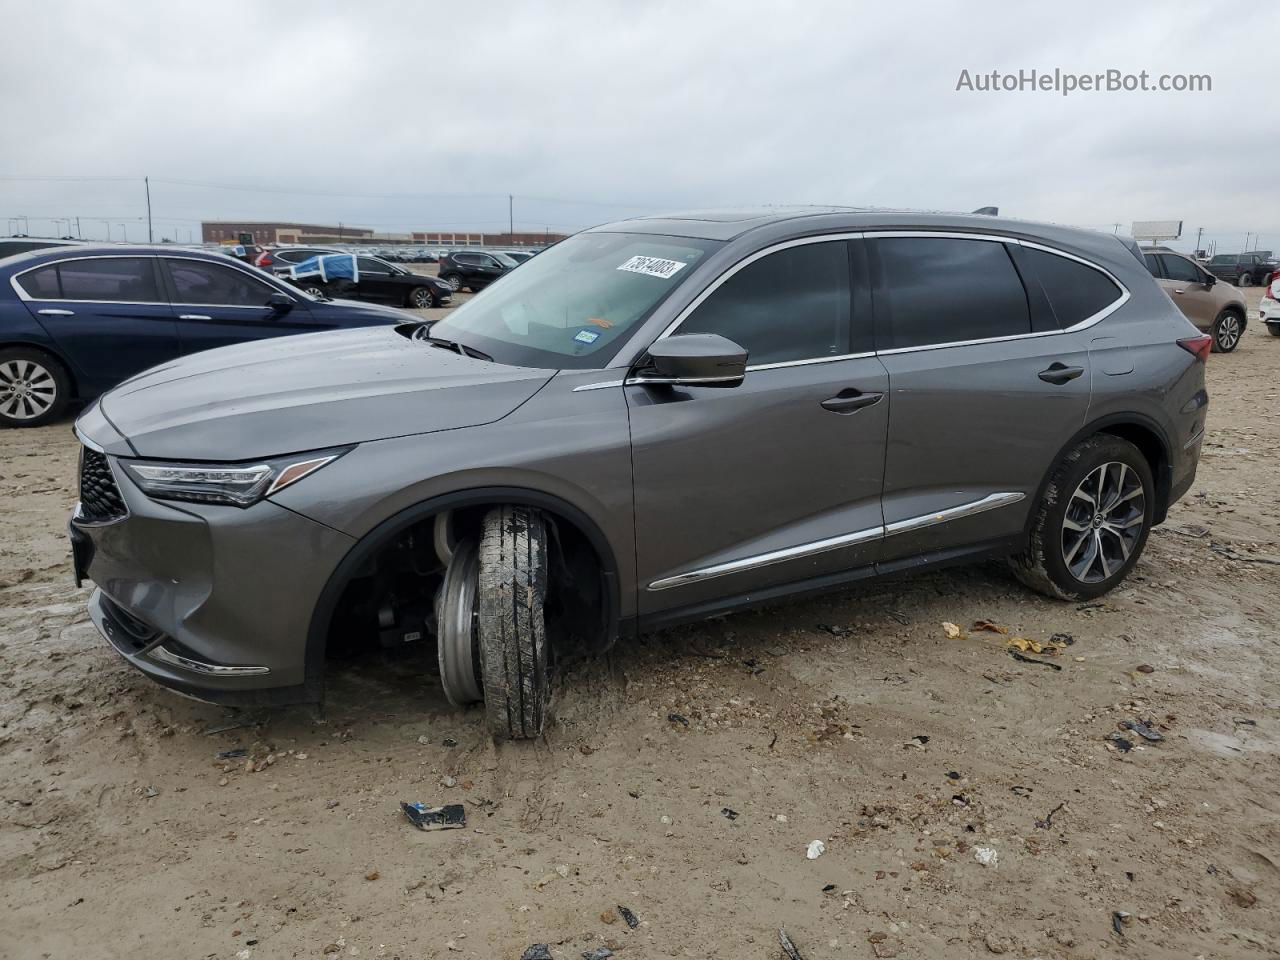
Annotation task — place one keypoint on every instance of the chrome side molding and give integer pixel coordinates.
(199, 666)
(815, 547)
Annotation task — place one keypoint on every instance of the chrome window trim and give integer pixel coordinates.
(27, 298)
(815, 547)
(199, 666)
(603, 385)
(1084, 324)
(678, 381)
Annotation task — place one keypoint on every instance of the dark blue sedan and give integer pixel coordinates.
(74, 322)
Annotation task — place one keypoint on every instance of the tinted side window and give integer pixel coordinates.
(942, 290)
(41, 284)
(195, 281)
(790, 305)
(1075, 290)
(368, 265)
(1153, 264)
(1175, 268)
(117, 279)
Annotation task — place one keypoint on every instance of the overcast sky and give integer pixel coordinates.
(593, 111)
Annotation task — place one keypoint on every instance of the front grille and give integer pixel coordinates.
(100, 499)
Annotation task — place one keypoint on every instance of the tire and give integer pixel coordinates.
(1227, 330)
(34, 388)
(314, 290)
(453, 280)
(1273, 329)
(420, 298)
(512, 624)
(1050, 565)
(1245, 280)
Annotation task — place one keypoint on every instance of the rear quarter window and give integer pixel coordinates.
(1075, 290)
(41, 284)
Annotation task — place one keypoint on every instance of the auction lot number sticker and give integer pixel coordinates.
(653, 267)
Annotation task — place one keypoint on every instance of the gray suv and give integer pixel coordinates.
(654, 421)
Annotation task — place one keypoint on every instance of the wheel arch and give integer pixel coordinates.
(1140, 430)
(385, 533)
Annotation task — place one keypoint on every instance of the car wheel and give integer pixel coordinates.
(453, 280)
(315, 291)
(420, 298)
(1246, 280)
(34, 388)
(1226, 331)
(512, 630)
(1274, 329)
(1092, 521)
(457, 638)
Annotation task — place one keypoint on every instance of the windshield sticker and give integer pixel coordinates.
(653, 267)
(587, 336)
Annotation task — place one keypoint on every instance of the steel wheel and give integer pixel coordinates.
(1226, 333)
(457, 640)
(1103, 522)
(27, 389)
(420, 298)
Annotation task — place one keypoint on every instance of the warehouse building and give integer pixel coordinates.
(264, 232)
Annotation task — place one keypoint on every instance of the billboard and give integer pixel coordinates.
(1157, 229)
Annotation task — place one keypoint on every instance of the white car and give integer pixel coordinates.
(1269, 308)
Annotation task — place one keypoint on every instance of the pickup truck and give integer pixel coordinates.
(1242, 269)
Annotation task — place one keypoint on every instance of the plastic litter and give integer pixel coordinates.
(451, 816)
(728, 814)
(599, 953)
(816, 849)
(676, 718)
(986, 856)
(631, 919)
(788, 947)
(1142, 730)
(1123, 745)
(539, 951)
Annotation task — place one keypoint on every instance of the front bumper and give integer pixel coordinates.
(214, 601)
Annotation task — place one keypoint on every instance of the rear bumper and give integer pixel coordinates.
(213, 601)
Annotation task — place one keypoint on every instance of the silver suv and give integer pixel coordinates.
(654, 421)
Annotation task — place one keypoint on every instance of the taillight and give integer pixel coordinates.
(1200, 345)
(264, 260)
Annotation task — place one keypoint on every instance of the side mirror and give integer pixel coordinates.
(280, 303)
(695, 359)
(1209, 279)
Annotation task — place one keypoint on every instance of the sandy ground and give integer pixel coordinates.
(852, 719)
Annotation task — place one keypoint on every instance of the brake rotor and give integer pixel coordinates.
(457, 642)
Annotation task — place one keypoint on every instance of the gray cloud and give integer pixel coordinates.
(592, 111)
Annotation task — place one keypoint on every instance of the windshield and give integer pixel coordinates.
(573, 306)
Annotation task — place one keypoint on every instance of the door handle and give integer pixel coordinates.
(1180, 291)
(850, 400)
(56, 313)
(1060, 373)
(193, 316)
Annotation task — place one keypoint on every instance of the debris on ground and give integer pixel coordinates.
(1118, 919)
(449, 742)
(917, 741)
(1062, 639)
(1022, 658)
(539, 951)
(816, 849)
(988, 626)
(599, 953)
(789, 947)
(232, 754)
(987, 856)
(729, 814)
(950, 629)
(1047, 822)
(448, 817)
(883, 946)
(1142, 730)
(1145, 668)
(676, 718)
(1026, 645)
(1121, 744)
(631, 919)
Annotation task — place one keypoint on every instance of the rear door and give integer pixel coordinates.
(775, 481)
(215, 304)
(378, 281)
(985, 389)
(108, 315)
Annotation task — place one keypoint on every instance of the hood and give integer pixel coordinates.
(292, 394)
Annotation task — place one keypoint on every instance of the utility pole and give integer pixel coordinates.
(511, 219)
(1116, 231)
(78, 234)
(146, 181)
(1199, 233)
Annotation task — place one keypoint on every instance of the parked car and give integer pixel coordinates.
(280, 259)
(1242, 269)
(76, 321)
(474, 269)
(1269, 306)
(655, 421)
(519, 256)
(1215, 308)
(382, 282)
(244, 252)
(14, 245)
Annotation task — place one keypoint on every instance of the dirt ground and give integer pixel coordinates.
(853, 719)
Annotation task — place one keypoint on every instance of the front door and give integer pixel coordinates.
(216, 304)
(980, 406)
(776, 481)
(378, 282)
(1184, 282)
(108, 315)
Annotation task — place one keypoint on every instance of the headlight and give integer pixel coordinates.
(235, 484)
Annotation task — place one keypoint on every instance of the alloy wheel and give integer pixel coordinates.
(27, 389)
(1103, 522)
(455, 283)
(422, 298)
(1228, 332)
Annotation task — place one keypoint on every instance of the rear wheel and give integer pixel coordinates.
(1226, 331)
(1274, 329)
(34, 388)
(1092, 521)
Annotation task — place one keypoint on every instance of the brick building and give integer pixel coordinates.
(452, 238)
(230, 231)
